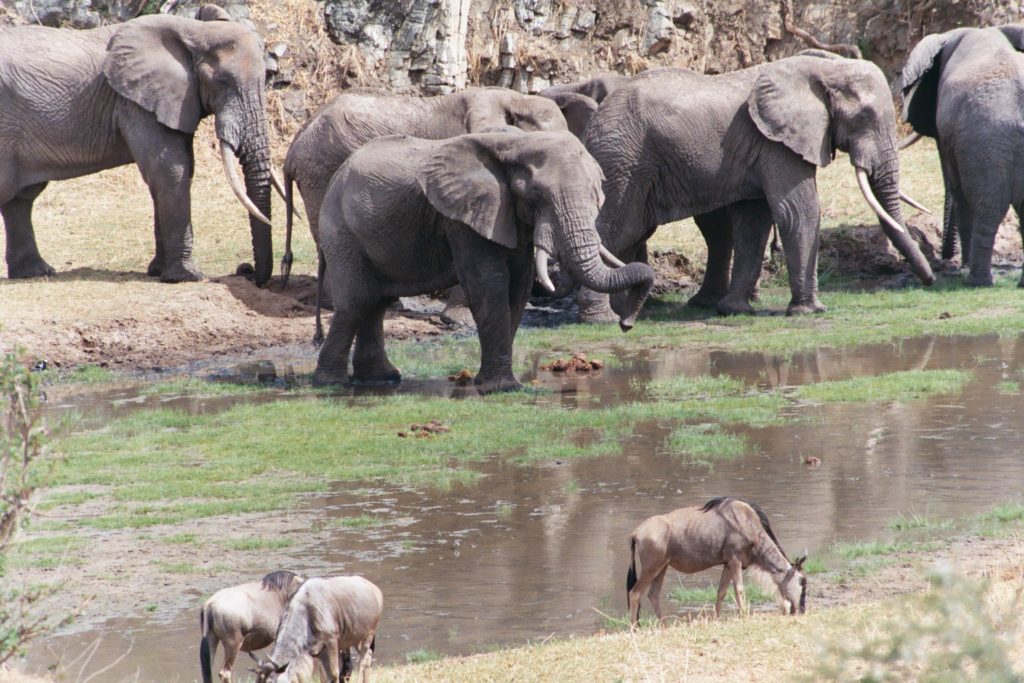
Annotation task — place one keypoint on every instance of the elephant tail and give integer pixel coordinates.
(289, 214)
(949, 228)
(321, 267)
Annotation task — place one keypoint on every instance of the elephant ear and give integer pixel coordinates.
(465, 182)
(212, 13)
(789, 105)
(577, 110)
(149, 63)
(1015, 34)
(919, 82)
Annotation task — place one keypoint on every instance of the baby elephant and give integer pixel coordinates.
(406, 216)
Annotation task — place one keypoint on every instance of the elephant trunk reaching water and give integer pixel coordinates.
(580, 249)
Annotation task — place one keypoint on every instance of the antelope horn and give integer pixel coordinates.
(226, 154)
(909, 140)
(541, 261)
(869, 196)
(609, 257)
(907, 199)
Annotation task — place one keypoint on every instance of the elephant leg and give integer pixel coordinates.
(797, 214)
(23, 258)
(980, 221)
(482, 268)
(370, 364)
(751, 227)
(521, 278)
(164, 158)
(456, 308)
(156, 265)
(1019, 208)
(718, 235)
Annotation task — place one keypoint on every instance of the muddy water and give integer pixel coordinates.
(537, 550)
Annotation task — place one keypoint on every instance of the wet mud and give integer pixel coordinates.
(539, 550)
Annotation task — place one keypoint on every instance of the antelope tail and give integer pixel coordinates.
(205, 660)
(631, 572)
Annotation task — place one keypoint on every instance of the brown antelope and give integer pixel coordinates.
(243, 618)
(725, 531)
(325, 618)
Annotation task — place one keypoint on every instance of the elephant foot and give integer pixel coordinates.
(803, 308)
(594, 307)
(734, 306)
(980, 280)
(485, 385)
(30, 267)
(330, 377)
(705, 299)
(380, 374)
(155, 267)
(458, 315)
(1020, 283)
(183, 272)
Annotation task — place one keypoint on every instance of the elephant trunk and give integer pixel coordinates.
(580, 251)
(245, 135)
(881, 190)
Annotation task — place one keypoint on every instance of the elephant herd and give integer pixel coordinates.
(480, 188)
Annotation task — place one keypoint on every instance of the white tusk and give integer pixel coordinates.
(226, 155)
(909, 140)
(869, 196)
(541, 261)
(914, 203)
(609, 257)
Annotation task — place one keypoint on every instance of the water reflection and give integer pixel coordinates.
(531, 551)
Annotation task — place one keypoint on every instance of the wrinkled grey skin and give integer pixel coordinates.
(406, 216)
(326, 618)
(738, 151)
(965, 88)
(352, 119)
(579, 101)
(77, 102)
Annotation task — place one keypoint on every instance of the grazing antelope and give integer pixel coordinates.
(325, 617)
(243, 618)
(725, 531)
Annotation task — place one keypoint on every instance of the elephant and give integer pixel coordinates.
(406, 216)
(77, 102)
(579, 101)
(965, 88)
(739, 151)
(351, 119)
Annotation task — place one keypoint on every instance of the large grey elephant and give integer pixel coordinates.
(739, 151)
(580, 100)
(351, 119)
(405, 216)
(77, 102)
(965, 88)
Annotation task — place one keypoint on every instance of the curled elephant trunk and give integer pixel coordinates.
(581, 253)
(882, 194)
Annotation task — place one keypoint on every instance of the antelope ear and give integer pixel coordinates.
(919, 82)
(149, 63)
(799, 563)
(790, 105)
(466, 182)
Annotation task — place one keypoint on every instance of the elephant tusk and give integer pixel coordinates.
(869, 196)
(226, 154)
(914, 203)
(909, 140)
(541, 261)
(609, 257)
(275, 180)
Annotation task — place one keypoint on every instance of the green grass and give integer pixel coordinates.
(681, 387)
(755, 595)
(895, 386)
(254, 544)
(421, 656)
(856, 551)
(193, 386)
(917, 522)
(704, 444)
(182, 539)
(80, 374)
(1008, 387)
(360, 522)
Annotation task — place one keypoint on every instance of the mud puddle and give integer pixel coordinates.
(532, 551)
